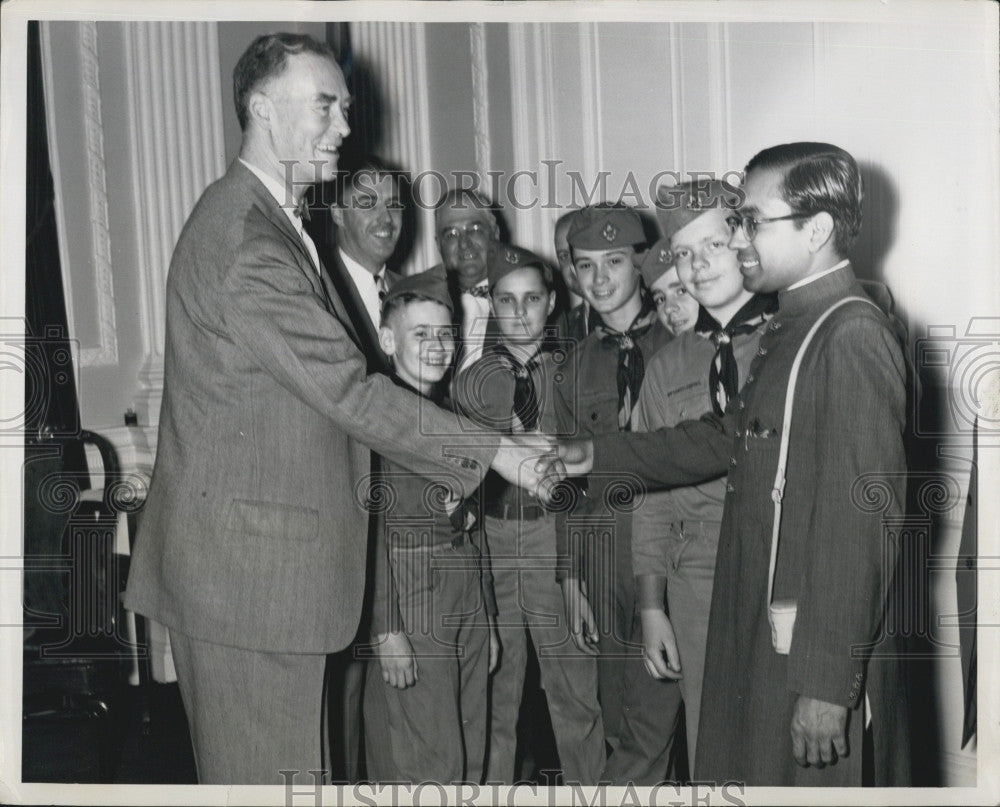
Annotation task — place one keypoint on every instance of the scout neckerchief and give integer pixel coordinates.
(723, 374)
(631, 368)
(525, 407)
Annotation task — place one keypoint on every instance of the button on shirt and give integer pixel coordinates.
(282, 197)
(367, 285)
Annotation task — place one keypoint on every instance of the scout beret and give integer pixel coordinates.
(657, 260)
(502, 259)
(605, 227)
(679, 205)
(431, 284)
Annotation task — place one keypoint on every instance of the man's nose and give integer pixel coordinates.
(339, 124)
(737, 239)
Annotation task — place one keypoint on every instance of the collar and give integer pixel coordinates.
(759, 307)
(359, 273)
(278, 191)
(807, 280)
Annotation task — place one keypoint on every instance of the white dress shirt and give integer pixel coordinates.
(367, 285)
(475, 316)
(283, 197)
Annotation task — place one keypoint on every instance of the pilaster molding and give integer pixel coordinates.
(397, 54)
(480, 100)
(590, 91)
(719, 96)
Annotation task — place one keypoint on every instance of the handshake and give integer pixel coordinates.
(538, 462)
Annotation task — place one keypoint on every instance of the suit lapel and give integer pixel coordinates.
(365, 335)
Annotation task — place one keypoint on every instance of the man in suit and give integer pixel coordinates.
(359, 232)
(252, 546)
(801, 717)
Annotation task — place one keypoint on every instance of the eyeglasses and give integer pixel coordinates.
(750, 224)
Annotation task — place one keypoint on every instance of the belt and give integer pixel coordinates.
(506, 511)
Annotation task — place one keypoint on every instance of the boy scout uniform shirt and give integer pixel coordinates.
(585, 400)
(676, 389)
(484, 393)
(414, 513)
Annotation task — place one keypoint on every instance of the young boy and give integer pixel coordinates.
(676, 532)
(508, 389)
(599, 388)
(675, 307)
(425, 699)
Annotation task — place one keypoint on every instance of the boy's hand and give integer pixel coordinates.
(494, 647)
(395, 657)
(659, 645)
(580, 616)
(530, 462)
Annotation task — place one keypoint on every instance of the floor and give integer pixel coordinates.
(158, 751)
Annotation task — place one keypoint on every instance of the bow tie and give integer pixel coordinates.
(478, 291)
(302, 210)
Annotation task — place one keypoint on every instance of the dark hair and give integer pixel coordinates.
(265, 58)
(361, 172)
(818, 177)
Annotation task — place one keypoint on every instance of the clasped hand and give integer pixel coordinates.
(530, 461)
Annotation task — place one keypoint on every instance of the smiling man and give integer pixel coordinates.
(464, 228)
(252, 545)
(800, 718)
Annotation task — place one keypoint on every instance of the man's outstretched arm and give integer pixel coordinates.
(689, 453)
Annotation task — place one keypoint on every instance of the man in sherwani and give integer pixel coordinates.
(252, 546)
(800, 718)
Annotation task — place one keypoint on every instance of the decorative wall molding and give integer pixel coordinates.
(590, 99)
(521, 90)
(676, 94)
(396, 52)
(176, 144)
(480, 100)
(719, 84)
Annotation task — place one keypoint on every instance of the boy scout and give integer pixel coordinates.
(508, 389)
(675, 306)
(596, 396)
(676, 533)
(425, 699)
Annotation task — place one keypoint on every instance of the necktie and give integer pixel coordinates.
(631, 367)
(383, 289)
(525, 407)
(723, 373)
(478, 291)
(302, 209)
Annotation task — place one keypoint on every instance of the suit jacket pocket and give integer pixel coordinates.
(273, 520)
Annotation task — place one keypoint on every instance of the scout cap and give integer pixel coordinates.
(679, 205)
(657, 260)
(431, 284)
(605, 227)
(502, 259)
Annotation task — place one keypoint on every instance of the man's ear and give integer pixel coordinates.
(387, 341)
(337, 214)
(821, 230)
(260, 108)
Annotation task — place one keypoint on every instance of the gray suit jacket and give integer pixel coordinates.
(254, 532)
